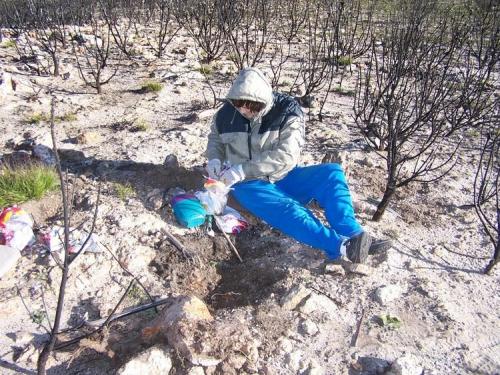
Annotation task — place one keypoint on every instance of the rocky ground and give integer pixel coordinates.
(423, 307)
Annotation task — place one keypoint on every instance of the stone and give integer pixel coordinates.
(139, 258)
(71, 155)
(293, 360)
(236, 361)
(154, 200)
(22, 338)
(294, 297)
(387, 293)
(88, 138)
(308, 327)
(358, 269)
(185, 308)
(285, 345)
(204, 360)
(196, 370)
(44, 154)
(408, 364)
(153, 361)
(318, 303)
(180, 323)
(171, 161)
(314, 369)
(335, 269)
(6, 85)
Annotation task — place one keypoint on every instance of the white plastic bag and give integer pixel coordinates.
(214, 198)
(54, 240)
(231, 221)
(16, 228)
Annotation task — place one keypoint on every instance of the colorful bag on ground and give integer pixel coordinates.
(16, 228)
(188, 210)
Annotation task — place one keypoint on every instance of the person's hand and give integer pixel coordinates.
(213, 168)
(232, 175)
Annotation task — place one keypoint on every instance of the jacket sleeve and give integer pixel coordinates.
(215, 147)
(283, 157)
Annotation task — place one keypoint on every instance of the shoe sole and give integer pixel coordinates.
(364, 248)
(378, 247)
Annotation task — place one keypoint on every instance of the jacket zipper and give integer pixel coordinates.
(249, 139)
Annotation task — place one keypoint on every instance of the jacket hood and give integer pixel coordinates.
(251, 84)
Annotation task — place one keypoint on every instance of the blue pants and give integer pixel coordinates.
(281, 205)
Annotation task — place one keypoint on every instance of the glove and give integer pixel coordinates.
(232, 175)
(213, 168)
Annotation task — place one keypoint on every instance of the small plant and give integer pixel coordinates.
(8, 44)
(38, 316)
(344, 60)
(67, 117)
(151, 86)
(23, 184)
(36, 118)
(124, 191)
(389, 321)
(136, 294)
(341, 91)
(205, 69)
(140, 125)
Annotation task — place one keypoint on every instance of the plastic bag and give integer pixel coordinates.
(54, 240)
(16, 228)
(188, 210)
(231, 221)
(214, 198)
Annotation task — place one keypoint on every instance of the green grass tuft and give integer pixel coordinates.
(124, 191)
(67, 117)
(23, 184)
(152, 87)
(8, 44)
(344, 60)
(36, 118)
(205, 69)
(140, 125)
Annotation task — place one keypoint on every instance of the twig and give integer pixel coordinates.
(337, 302)
(105, 324)
(111, 318)
(227, 238)
(174, 241)
(49, 346)
(130, 273)
(358, 328)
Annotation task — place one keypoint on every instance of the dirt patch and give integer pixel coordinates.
(215, 275)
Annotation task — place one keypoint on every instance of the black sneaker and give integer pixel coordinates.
(379, 246)
(357, 247)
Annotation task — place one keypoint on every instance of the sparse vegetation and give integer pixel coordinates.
(140, 125)
(151, 86)
(67, 117)
(342, 91)
(8, 43)
(18, 185)
(36, 118)
(38, 316)
(344, 60)
(205, 69)
(123, 191)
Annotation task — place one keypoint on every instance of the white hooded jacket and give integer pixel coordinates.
(267, 147)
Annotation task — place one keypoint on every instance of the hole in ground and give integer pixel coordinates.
(217, 276)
